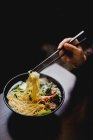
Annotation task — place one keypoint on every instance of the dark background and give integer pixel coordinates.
(26, 27)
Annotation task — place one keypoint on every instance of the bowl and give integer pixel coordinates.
(22, 78)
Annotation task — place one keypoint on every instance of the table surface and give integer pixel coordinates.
(13, 127)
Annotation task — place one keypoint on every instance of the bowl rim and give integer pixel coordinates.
(44, 75)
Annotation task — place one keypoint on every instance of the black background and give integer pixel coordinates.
(27, 26)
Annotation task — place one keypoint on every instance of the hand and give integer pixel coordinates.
(77, 56)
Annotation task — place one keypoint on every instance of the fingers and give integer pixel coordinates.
(62, 43)
(75, 42)
(77, 56)
(61, 52)
(70, 47)
(66, 40)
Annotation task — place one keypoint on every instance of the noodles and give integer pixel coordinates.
(37, 96)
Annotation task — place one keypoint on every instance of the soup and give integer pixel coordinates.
(34, 97)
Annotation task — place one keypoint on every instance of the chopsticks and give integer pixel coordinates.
(38, 69)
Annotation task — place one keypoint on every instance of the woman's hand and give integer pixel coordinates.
(76, 57)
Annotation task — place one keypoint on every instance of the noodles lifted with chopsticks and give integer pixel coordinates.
(37, 96)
